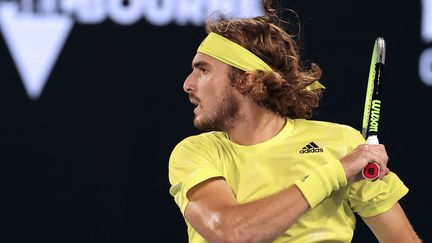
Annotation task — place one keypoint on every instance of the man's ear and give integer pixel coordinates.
(245, 81)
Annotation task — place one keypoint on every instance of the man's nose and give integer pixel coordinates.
(188, 85)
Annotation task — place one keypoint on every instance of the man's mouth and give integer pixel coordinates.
(194, 100)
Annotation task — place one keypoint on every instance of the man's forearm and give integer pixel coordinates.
(259, 221)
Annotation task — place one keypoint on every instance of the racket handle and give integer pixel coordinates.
(372, 170)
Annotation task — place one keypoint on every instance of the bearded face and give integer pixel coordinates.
(221, 115)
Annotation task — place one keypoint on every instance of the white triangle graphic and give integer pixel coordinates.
(35, 42)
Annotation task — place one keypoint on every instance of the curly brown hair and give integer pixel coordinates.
(284, 90)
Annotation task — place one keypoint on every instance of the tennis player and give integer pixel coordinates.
(262, 171)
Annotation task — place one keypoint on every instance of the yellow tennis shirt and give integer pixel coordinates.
(257, 171)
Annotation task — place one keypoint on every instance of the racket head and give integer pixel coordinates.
(374, 85)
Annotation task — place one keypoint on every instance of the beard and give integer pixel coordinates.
(225, 116)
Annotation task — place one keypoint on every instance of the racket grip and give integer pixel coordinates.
(372, 170)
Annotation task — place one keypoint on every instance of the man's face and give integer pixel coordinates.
(209, 89)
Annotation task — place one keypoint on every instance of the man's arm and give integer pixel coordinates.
(213, 211)
(392, 226)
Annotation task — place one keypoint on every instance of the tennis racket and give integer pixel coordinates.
(372, 108)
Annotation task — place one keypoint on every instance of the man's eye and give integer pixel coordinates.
(204, 70)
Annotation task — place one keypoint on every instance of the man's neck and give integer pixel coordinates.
(257, 127)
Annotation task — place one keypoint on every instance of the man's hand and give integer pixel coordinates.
(354, 162)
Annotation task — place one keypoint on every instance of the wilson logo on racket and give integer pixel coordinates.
(311, 148)
(375, 114)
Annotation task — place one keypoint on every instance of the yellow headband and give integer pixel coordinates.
(237, 56)
(231, 53)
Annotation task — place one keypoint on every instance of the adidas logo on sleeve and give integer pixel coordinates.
(311, 148)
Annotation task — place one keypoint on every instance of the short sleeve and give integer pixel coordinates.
(190, 163)
(370, 198)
